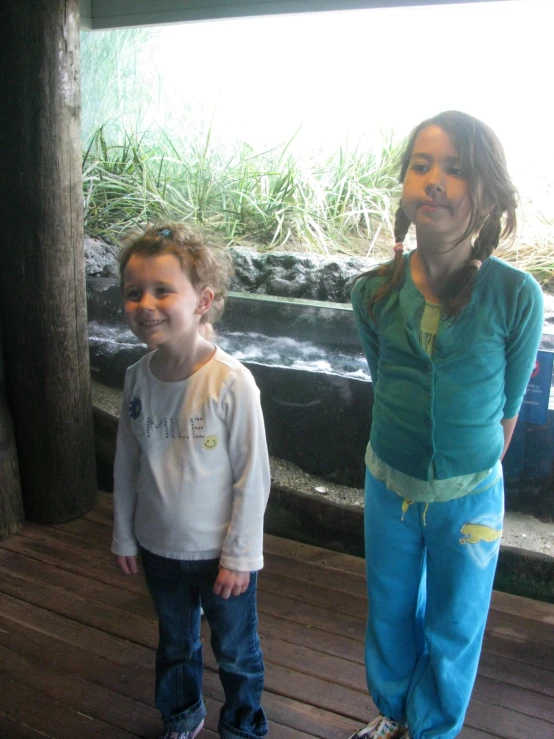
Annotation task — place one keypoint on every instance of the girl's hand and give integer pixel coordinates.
(231, 582)
(128, 564)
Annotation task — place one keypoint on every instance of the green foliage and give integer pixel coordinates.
(114, 89)
(269, 198)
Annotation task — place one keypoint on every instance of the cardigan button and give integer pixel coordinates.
(440, 475)
(429, 367)
(428, 394)
(428, 423)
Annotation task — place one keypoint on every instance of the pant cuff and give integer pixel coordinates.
(187, 720)
(389, 711)
(226, 731)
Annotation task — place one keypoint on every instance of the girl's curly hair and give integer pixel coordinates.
(204, 263)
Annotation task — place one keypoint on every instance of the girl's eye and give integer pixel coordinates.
(419, 167)
(456, 171)
(133, 295)
(162, 291)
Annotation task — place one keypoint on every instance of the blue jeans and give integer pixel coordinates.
(178, 589)
(430, 574)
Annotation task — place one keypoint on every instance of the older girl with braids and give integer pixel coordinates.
(191, 481)
(450, 333)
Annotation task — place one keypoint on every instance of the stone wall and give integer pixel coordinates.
(282, 274)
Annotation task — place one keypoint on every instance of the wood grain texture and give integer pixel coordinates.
(77, 645)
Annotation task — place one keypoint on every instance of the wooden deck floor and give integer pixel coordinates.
(77, 643)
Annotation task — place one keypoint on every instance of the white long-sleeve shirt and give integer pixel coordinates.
(191, 468)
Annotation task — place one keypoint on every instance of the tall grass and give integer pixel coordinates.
(268, 197)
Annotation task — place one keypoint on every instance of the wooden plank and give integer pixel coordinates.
(502, 603)
(287, 632)
(138, 603)
(102, 511)
(102, 617)
(521, 628)
(524, 652)
(95, 703)
(76, 692)
(34, 709)
(46, 534)
(504, 695)
(276, 581)
(275, 615)
(108, 619)
(64, 550)
(510, 631)
(43, 536)
(317, 691)
(82, 613)
(15, 730)
(98, 533)
(54, 553)
(523, 635)
(138, 685)
(504, 669)
(518, 606)
(343, 563)
(82, 660)
(301, 578)
(468, 732)
(323, 617)
(122, 651)
(509, 724)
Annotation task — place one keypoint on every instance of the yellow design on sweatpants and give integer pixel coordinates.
(476, 532)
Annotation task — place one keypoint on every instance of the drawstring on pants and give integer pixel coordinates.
(406, 503)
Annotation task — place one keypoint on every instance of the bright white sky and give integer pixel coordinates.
(344, 76)
(347, 73)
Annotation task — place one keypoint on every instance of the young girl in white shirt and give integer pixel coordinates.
(191, 481)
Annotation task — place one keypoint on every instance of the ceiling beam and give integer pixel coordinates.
(104, 14)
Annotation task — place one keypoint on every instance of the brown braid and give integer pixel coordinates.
(393, 270)
(457, 292)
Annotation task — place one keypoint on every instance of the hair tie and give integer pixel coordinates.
(164, 233)
(399, 247)
(477, 263)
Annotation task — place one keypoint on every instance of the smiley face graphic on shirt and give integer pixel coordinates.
(210, 442)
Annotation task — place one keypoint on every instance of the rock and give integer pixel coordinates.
(281, 274)
(100, 258)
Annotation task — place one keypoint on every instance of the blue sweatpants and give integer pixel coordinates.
(430, 572)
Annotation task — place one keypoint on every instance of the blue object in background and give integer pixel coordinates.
(535, 402)
(531, 451)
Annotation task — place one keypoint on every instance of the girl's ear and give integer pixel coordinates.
(204, 301)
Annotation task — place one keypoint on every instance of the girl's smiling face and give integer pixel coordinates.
(161, 305)
(435, 194)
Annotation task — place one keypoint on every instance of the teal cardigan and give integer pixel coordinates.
(447, 410)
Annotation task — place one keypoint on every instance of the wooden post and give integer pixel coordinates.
(11, 504)
(42, 283)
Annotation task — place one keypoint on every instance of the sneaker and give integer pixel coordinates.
(381, 727)
(184, 734)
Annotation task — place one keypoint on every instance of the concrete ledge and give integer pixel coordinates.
(312, 519)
